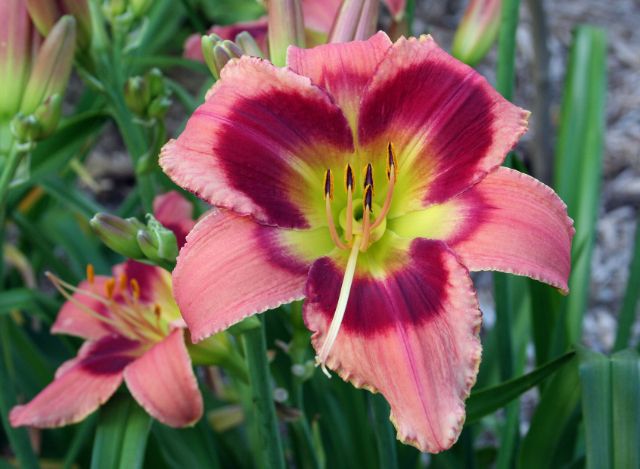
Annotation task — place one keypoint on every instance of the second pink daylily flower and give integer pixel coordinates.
(133, 332)
(366, 178)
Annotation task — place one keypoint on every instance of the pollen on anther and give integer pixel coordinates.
(348, 177)
(328, 185)
(109, 287)
(135, 288)
(157, 311)
(91, 276)
(124, 281)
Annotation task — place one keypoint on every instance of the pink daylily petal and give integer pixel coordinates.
(412, 335)
(449, 127)
(80, 387)
(257, 29)
(271, 121)
(162, 381)
(154, 282)
(341, 69)
(521, 227)
(229, 270)
(319, 15)
(176, 213)
(77, 315)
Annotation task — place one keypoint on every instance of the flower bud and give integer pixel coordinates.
(48, 115)
(477, 31)
(285, 28)
(25, 129)
(44, 14)
(217, 52)
(155, 81)
(158, 107)
(15, 55)
(118, 234)
(137, 95)
(52, 65)
(80, 11)
(248, 44)
(157, 242)
(139, 7)
(356, 21)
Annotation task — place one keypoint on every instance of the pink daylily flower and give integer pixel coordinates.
(134, 333)
(366, 178)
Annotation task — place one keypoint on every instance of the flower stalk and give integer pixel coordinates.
(255, 347)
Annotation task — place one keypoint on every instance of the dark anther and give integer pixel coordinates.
(392, 163)
(368, 178)
(348, 178)
(368, 195)
(328, 184)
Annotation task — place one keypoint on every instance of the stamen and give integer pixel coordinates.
(123, 280)
(328, 185)
(91, 276)
(135, 289)
(341, 307)
(349, 186)
(109, 288)
(366, 218)
(392, 174)
(368, 177)
(328, 195)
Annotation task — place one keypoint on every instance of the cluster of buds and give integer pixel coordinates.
(33, 73)
(135, 240)
(125, 11)
(147, 96)
(217, 51)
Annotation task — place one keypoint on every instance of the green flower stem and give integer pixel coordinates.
(503, 285)
(8, 171)
(270, 448)
(384, 432)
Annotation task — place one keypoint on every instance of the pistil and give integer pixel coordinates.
(341, 306)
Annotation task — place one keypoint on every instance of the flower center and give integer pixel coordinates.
(359, 231)
(121, 299)
(361, 217)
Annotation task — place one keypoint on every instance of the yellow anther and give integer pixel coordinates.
(157, 311)
(135, 289)
(124, 281)
(91, 276)
(109, 288)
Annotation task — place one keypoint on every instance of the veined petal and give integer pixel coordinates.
(231, 268)
(448, 125)
(76, 316)
(341, 69)
(508, 222)
(80, 387)
(525, 230)
(260, 145)
(412, 335)
(162, 381)
(176, 213)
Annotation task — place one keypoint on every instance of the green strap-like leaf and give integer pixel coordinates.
(121, 437)
(486, 401)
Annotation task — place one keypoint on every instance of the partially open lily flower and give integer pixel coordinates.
(366, 178)
(133, 332)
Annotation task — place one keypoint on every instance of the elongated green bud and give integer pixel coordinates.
(118, 234)
(477, 31)
(356, 21)
(157, 242)
(285, 28)
(248, 44)
(15, 55)
(52, 65)
(44, 14)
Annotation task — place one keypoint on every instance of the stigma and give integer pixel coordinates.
(361, 216)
